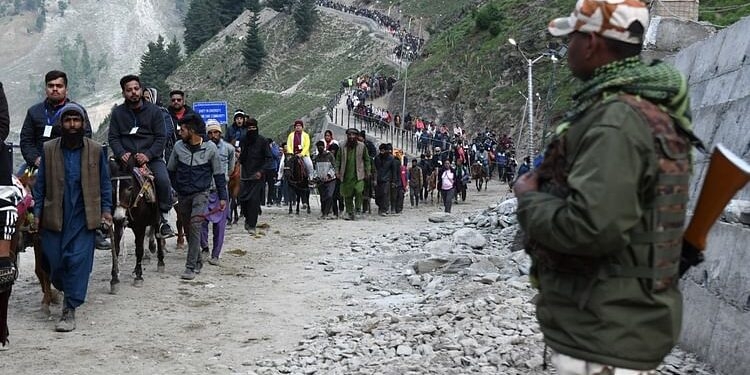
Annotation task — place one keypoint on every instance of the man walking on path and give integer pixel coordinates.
(325, 168)
(194, 165)
(415, 183)
(604, 213)
(74, 198)
(353, 168)
(255, 160)
(216, 216)
(386, 175)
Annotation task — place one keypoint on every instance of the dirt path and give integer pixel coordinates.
(255, 306)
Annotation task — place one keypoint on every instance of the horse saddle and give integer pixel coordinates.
(145, 179)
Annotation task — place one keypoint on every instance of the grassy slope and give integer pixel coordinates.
(723, 12)
(335, 51)
(478, 75)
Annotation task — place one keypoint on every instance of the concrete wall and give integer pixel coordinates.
(717, 293)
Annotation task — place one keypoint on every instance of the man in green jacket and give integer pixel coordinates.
(603, 215)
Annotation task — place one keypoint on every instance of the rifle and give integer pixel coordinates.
(727, 173)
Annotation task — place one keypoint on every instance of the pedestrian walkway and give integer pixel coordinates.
(341, 119)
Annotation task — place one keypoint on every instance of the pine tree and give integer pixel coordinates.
(156, 65)
(202, 22)
(253, 5)
(253, 51)
(173, 54)
(229, 10)
(280, 5)
(306, 18)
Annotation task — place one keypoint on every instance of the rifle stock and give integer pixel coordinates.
(727, 173)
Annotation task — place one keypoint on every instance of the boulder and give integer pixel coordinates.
(439, 217)
(470, 237)
(429, 265)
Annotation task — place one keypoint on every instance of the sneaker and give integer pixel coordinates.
(4, 346)
(349, 217)
(188, 274)
(165, 231)
(249, 228)
(214, 261)
(204, 250)
(101, 242)
(67, 321)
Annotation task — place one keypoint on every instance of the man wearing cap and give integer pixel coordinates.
(298, 142)
(216, 214)
(353, 167)
(196, 168)
(607, 204)
(236, 132)
(74, 198)
(137, 136)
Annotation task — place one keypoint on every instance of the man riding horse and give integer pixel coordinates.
(137, 131)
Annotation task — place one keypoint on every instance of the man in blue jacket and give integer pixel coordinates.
(137, 130)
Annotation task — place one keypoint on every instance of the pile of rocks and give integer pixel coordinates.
(452, 298)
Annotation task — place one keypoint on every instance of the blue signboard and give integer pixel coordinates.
(214, 110)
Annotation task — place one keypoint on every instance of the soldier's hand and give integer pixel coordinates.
(37, 161)
(528, 182)
(107, 219)
(125, 157)
(222, 205)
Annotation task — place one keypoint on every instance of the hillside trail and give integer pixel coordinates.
(255, 306)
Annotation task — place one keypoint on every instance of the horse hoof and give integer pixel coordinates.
(160, 268)
(55, 297)
(137, 283)
(45, 312)
(114, 288)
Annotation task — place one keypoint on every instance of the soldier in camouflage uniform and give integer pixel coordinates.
(603, 215)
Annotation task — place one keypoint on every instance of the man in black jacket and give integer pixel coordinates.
(385, 176)
(256, 159)
(137, 130)
(38, 126)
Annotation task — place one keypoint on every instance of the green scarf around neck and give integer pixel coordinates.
(657, 82)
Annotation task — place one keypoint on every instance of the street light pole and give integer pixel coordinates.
(403, 106)
(530, 98)
(531, 107)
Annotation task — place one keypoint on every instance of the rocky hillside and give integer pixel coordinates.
(116, 34)
(296, 79)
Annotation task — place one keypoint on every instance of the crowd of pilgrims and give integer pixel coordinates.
(409, 43)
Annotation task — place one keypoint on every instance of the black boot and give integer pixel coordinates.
(165, 231)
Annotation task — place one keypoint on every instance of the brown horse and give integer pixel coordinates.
(234, 192)
(479, 175)
(28, 234)
(137, 208)
(432, 185)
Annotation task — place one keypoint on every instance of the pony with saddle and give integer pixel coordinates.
(479, 175)
(136, 207)
(298, 182)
